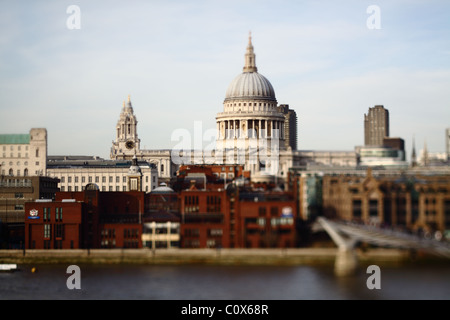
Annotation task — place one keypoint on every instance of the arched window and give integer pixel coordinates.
(25, 172)
(11, 173)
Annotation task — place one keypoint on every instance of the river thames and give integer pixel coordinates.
(219, 282)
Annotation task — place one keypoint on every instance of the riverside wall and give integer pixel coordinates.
(291, 256)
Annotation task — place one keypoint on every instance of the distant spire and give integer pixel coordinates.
(250, 63)
(425, 154)
(127, 106)
(413, 155)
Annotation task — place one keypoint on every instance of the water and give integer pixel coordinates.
(206, 282)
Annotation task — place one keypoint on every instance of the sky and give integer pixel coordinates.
(329, 60)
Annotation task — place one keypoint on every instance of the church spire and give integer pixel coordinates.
(128, 106)
(413, 155)
(250, 64)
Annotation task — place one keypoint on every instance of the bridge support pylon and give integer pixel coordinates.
(346, 262)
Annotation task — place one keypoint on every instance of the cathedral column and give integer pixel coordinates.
(259, 127)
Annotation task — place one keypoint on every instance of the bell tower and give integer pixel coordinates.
(127, 143)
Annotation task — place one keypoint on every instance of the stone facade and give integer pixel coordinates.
(24, 154)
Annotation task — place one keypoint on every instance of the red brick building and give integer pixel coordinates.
(205, 222)
(207, 214)
(266, 220)
(53, 225)
(86, 219)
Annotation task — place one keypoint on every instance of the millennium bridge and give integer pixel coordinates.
(346, 235)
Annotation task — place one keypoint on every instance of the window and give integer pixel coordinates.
(97, 179)
(262, 211)
(357, 207)
(76, 179)
(373, 208)
(47, 231)
(274, 211)
(59, 231)
(133, 184)
(58, 214)
(262, 221)
(37, 152)
(162, 168)
(83, 179)
(117, 179)
(191, 204)
(104, 179)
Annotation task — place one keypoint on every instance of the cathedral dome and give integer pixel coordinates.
(250, 84)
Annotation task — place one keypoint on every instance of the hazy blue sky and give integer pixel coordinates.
(177, 58)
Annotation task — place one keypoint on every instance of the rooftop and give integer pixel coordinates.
(15, 138)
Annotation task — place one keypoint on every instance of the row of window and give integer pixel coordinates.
(195, 243)
(19, 154)
(58, 214)
(130, 243)
(279, 221)
(57, 244)
(58, 231)
(103, 188)
(250, 104)
(127, 233)
(263, 210)
(19, 147)
(97, 179)
(18, 163)
(196, 232)
(18, 172)
(174, 230)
